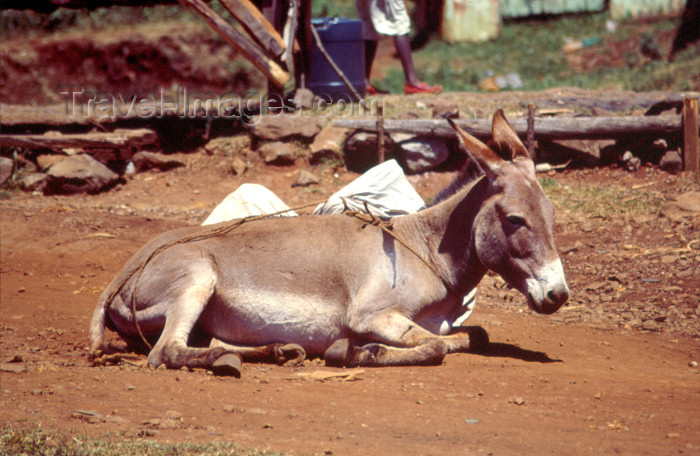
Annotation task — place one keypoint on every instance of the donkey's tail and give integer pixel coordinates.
(97, 326)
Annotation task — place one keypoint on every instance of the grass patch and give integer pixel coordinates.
(533, 50)
(38, 441)
(597, 200)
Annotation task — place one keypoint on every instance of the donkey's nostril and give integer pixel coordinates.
(558, 295)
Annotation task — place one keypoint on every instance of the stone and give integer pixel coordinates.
(328, 144)
(305, 179)
(46, 161)
(277, 153)
(238, 166)
(33, 182)
(361, 151)
(422, 154)
(688, 201)
(282, 126)
(443, 109)
(660, 145)
(228, 145)
(303, 99)
(7, 167)
(650, 325)
(13, 368)
(152, 160)
(671, 162)
(79, 174)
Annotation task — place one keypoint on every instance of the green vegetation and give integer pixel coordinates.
(533, 50)
(38, 441)
(530, 48)
(596, 200)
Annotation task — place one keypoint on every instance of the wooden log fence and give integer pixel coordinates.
(118, 139)
(545, 128)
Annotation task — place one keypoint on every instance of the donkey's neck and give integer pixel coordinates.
(445, 235)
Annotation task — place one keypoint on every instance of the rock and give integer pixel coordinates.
(671, 162)
(150, 160)
(229, 408)
(238, 166)
(79, 174)
(282, 126)
(305, 178)
(277, 153)
(443, 109)
(229, 146)
(692, 364)
(328, 143)
(668, 259)
(46, 161)
(518, 401)
(303, 99)
(89, 416)
(422, 154)
(630, 162)
(361, 151)
(650, 325)
(174, 415)
(660, 145)
(7, 167)
(13, 368)
(688, 201)
(33, 182)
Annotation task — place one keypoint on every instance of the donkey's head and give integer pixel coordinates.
(513, 229)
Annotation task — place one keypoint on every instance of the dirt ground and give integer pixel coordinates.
(610, 373)
(613, 372)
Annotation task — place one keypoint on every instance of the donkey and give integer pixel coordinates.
(340, 287)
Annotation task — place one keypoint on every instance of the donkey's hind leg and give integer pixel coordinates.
(283, 354)
(194, 291)
(400, 342)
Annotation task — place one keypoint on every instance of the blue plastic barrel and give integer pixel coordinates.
(342, 40)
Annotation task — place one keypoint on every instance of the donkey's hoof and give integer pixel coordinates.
(290, 354)
(338, 353)
(478, 338)
(228, 364)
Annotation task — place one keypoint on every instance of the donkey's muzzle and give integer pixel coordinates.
(554, 299)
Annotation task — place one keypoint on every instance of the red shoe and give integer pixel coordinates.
(421, 88)
(371, 90)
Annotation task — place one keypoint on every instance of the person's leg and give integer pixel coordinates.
(370, 53)
(403, 49)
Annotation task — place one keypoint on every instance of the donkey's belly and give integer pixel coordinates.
(262, 318)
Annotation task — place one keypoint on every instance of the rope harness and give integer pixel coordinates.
(366, 217)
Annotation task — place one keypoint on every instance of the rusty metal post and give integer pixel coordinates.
(690, 134)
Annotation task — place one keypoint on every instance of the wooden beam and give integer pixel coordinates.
(690, 135)
(118, 139)
(256, 25)
(249, 50)
(547, 128)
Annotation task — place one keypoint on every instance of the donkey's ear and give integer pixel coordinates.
(506, 140)
(487, 159)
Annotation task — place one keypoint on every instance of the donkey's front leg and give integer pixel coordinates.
(401, 342)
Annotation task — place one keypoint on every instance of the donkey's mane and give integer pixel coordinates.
(469, 172)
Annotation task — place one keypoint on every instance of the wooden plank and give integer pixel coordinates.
(690, 135)
(249, 50)
(118, 139)
(545, 128)
(256, 25)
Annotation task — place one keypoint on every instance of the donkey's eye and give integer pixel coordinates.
(517, 220)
